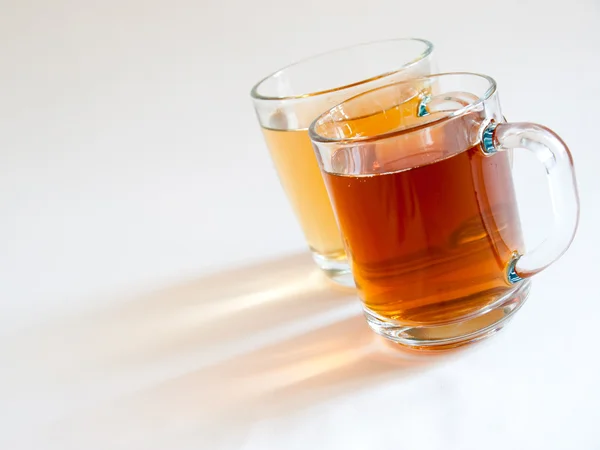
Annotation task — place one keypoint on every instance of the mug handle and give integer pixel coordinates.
(553, 153)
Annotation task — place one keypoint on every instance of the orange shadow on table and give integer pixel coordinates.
(223, 350)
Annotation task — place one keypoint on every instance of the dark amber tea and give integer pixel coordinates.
(430, 243)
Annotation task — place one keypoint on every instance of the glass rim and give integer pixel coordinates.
(489, 92)
(255, 94)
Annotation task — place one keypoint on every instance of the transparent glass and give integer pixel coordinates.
(286, 103)
(420, 182)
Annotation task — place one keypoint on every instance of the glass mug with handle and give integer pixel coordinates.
(286, 103)
(419, 176)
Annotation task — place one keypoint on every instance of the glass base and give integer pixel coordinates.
(336, 269)
(450, 335)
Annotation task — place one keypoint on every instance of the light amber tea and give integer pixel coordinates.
(299, 173)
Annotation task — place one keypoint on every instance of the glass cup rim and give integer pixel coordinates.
(255, 94)
(490, 91)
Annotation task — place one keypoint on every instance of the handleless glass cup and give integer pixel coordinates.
(287, 101)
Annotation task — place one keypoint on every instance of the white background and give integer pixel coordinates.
(154, 287)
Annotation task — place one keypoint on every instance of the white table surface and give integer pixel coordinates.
(155, 292)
